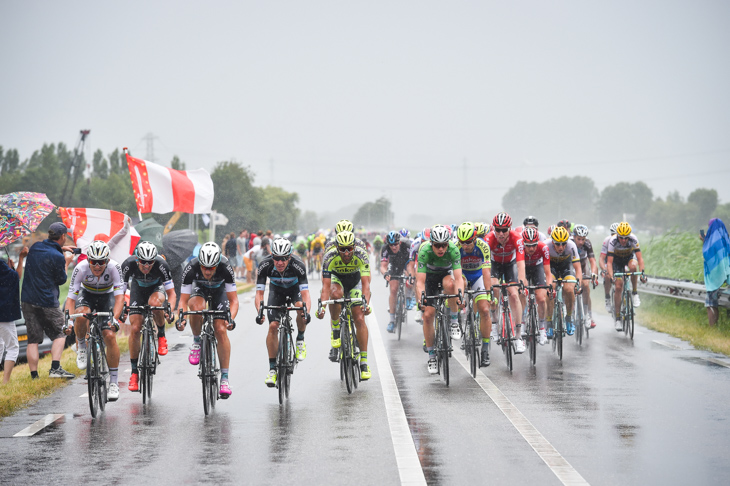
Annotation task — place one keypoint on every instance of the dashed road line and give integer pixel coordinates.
(40, 425)
(409, 466)
(556, 462)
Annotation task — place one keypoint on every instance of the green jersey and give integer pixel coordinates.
(428, 262)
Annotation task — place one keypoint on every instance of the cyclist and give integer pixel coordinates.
(476, 264)
(588, 265)
(537, 272)
(210, 277)
(532, 221)
(343, 225)
(377, 244)
(508, 264)
(602, 264)
(288, 277)
(316, 249)
(151, 280)
(394, 261)
(96, 285)
(412, 261)
(564, 264)
(301, 247)
(346, 272)
(481, 229)
(624, 253)
(439, 262)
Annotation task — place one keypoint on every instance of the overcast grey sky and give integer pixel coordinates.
(354, 100)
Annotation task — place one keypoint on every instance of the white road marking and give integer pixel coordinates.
(557, 463)
(718, 362)
(40, 425)
(409, 466)
(666, 344)
(85, 395)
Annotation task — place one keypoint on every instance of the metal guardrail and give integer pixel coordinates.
(682, 289)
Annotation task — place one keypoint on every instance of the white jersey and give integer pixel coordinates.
(109, 281)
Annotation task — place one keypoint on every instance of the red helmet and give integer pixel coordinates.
(530, 236)
(502, 220)
(426, 234)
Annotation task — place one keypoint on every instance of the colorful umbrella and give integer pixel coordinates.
(21, 213)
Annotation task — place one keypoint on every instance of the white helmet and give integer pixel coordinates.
(209, 255)
(146, 251)
(281, 247)
(581, 230)
(439, 234)
(98, 250)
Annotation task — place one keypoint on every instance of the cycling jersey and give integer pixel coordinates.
(565, 259)
(293, 276)
(541, 256)
(414, 248)
(586, 250)
(317, 245)
(110, 281)
(223, 278)
(604, 246)
(428, 262)
(159, 274)
(348, 273)
(623, 251)
(512, 250)
(397, 261)
(473, 262)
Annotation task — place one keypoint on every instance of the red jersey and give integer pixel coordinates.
(540, 256)
(512, 249)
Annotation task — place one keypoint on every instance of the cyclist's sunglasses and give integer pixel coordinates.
(345, 249)
(208, 268)
(469, 241)
(97, 263)
(501, 230)
(440, 246)
(530, 245)
(280, 258)
(146, 263)
(559, 244)
(623, 237)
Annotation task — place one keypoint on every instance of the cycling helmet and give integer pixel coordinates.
(427, 233)
(146, 251)
(466, 232)
(98, 250)
(209, 255)
(404, 233)
(440, 234)
(420, 235)
(623, 229)
(343, 225)
(480, 229)
(502, 220)
(281, 247)
(613, 228)
(560, 235)
(565, 224)
(551, 229)
(530, 236)
(581, 230)
(345, 238)
(393, 237)
(530, 221)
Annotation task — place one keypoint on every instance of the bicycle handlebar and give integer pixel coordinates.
(262, 308)
(459, 296)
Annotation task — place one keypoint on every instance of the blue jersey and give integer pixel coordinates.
(473, 262)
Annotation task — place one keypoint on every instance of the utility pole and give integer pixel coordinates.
(150, 139)
(465, 190)
(75, 168)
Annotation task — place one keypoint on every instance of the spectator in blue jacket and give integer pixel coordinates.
(716, 253)
(45, 271)
(10, 311)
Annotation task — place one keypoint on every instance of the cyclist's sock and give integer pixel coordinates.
(363, 357)
(431, 351)
(134, 365)
(454, 317)
(196, 339)
(634, 292)
(82, 343)
(224, 374)
(113, 375)
(272, 363)
(300, 336)
(335, 325)
(160, 331)
(608, 297)
(55, 365)
(33, 375)
(392, 317)
(541, 323)
(485, 340)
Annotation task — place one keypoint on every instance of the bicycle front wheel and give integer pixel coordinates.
(144, 365)
(346, 361)
(400, 309)
(507, 316)
(204, 373)
(579, 318)
(559, 329)
(471, 345)
(630, 318)
(532, 332)
(282, 366)
(93, 376)
(444, 328)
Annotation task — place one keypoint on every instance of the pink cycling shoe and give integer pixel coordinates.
(225, 390)
(194, 356)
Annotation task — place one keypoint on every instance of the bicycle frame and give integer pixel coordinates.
(97, 369)
(505, 323)
(349, 354)
(148, 358)
(532, 319)
(401, 314)
(472, 336)
(443, 336)
(627, 304)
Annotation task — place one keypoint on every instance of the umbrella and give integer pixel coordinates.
(21, 213)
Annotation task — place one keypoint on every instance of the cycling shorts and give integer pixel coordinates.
(566, 273)
(97, 303)
(351, 291)
(277, 296)
(621, 265)
(478, 286)
(217, 296)
(507, 271)
(535, 274)
(139, 295)
(432, 282)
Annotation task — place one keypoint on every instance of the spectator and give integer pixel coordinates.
(716, 253)
(230, 250)
(248, 260)
(10, 311)
(241, 247)
(45, 270)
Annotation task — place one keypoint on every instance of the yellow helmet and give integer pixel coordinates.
(623, 229)
(560, 235)
(345, 238)
(343, 225)
(480, 229)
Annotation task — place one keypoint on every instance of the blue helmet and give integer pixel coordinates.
(393, 237)
(404, 233)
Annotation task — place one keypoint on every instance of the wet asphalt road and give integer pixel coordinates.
(619, 412)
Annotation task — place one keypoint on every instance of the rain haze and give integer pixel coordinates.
(434, 105)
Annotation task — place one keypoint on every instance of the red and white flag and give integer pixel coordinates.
(160, 190)
(88, 224)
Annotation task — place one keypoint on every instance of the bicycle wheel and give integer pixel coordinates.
(355, 369)
(532, 332)
(143, 366)
(507, 318)
(579, 326)
(291, 361)
(346, 361)
(92, 375)
(399, 312)
(444, 348)
(470, 345)
(630, 318)
(204, 363)
(282, 365)
(559, 329)
(213, 393)
(624, 311)
(103, 388)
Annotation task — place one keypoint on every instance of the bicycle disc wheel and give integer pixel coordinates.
(532, 333)
(92, 376)
(204, 373)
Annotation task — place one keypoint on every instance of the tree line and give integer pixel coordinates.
(108, 186)
(578, 199)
